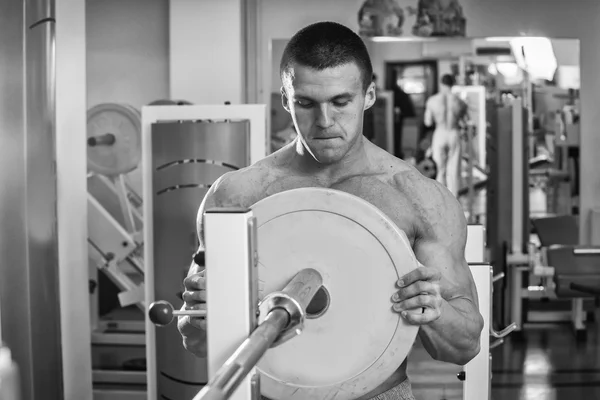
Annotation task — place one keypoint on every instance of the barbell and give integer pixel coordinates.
(314, 348)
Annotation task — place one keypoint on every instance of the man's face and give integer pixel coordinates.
(327, 108)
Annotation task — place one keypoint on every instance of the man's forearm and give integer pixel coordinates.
(454, 337)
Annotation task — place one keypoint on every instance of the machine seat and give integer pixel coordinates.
(578, 265)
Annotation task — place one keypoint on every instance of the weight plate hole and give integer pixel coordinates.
(319, 304)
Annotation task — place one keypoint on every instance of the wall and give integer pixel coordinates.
(280, 19)
(207, 41)
(127, 51)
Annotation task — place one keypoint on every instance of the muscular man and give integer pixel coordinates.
(326, 74)
(446, 110)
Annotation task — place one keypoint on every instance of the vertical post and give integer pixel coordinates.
(72, 204)
(517, 177)
(478, 371)
(231, 288)
(477, 384)
(470, 167)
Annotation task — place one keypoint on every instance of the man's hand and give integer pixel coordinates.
(419, 299)
(193, 330)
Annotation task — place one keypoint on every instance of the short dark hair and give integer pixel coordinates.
(327, 45)
(448, 80)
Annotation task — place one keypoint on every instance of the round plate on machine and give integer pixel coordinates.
(114, 139)
(354, 341)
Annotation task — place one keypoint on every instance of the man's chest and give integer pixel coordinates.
(381, 194)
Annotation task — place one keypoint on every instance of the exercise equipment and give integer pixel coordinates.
(345, 245)
(352, 243)
(114, 143)
(115, 246)
(185, 149)
(162, 313)
(357, 253)
(114, 218)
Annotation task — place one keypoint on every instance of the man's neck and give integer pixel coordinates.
(354, 162)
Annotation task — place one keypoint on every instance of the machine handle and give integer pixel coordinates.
(496, 343)
(589, 251)
(498, 277)
(504, 332)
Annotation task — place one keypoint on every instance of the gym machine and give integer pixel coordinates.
(507, 205)
(524, 259)
(185, 149)
(115, 243)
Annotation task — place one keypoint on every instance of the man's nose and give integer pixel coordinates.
(324, 116)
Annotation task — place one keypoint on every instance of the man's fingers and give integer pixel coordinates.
(190, 296)
(416, 303)
(195, 282)
(419, 274)
(195, 269)
(414, 290)
(198, 323)
(421, 318)
(189, 326)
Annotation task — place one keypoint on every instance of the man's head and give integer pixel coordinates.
(447, 81)
(327, 81)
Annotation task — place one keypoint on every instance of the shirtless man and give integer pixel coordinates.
(326, 74)
(447, 111)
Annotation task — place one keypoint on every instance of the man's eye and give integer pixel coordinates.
(303, 103)
(341, 103)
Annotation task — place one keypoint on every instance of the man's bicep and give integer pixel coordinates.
(443, 248)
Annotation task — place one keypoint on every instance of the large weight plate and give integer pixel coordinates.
(359, 341)
(124, 155)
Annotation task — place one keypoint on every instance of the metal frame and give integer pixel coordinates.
(518, 262)
(477, 378)
(256, 114)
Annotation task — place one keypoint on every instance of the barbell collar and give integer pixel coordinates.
(294, 299)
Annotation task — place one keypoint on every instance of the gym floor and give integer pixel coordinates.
(544, 363)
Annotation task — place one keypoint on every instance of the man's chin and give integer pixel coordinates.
(327, 158)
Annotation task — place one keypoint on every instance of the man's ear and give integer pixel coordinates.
(285, 101)
(370, 96)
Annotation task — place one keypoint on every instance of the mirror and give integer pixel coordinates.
(489, 72)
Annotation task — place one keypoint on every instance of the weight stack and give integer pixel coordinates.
(187, 158)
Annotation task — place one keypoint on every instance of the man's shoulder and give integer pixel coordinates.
(438, 209)
(241, 179)
(246, 183)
